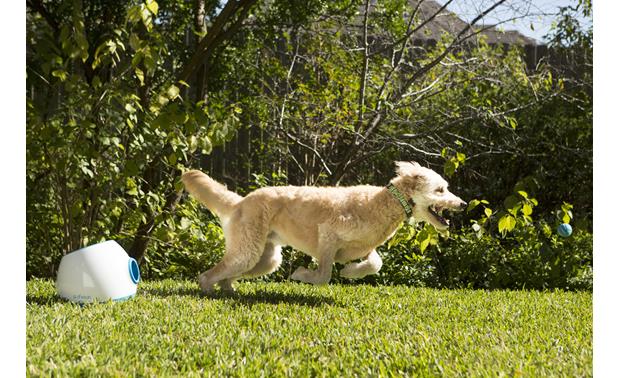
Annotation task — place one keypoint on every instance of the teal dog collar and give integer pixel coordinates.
(402, 200)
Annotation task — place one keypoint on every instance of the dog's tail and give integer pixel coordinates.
(211, 193)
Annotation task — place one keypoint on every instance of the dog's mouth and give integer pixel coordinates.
(436, 212)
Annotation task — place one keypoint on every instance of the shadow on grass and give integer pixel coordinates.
(271, 297)
(246, 298)
(43, 300)
(181, 291)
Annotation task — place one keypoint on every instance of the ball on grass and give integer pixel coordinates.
(565, 230)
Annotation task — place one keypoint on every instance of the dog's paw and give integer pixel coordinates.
(226, 287)
(300, 274)
(206, 287)
(350, 272)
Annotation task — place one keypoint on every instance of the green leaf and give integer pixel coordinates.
(173, 92)
(444, 152)
(87, 171)
(133, 14)
(488, 212)
(147, 18)
(206, 145)
(140, 76)
(450, 167)
(506, 223)
(152, 6)
(132, 187)
(566, 218)
(185, 223)
(548, 81)
(424, 244)
(162, 100)
(514, 211)
(61, 74)
(512, 122)
(423, 238)
(527, 209)
(149, 63)
(546, 230)
(152, 196)
(522, 193)
(134, 41)
(472, 204)
(193, 143)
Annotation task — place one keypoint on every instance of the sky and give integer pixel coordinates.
(541, 14)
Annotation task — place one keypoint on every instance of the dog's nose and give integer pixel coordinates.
(463, 205)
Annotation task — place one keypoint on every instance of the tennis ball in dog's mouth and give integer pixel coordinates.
(565, 230)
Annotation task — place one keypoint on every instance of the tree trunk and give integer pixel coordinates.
(201, 27)
(227, 22)
(142, 238)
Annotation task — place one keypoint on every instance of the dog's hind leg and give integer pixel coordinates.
(269, 261)
(370, 265)
(245, 243)
(232, 266)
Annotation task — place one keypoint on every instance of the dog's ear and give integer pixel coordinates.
(406, 168)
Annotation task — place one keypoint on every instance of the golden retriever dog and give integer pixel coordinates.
(331, 224)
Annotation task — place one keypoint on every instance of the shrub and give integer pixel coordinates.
(185, 245)
(500, 249)
(530, 257)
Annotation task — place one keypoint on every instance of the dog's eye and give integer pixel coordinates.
(439, 190)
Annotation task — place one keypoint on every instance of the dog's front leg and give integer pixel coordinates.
(320, 276)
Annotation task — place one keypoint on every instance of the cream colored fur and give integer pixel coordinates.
(331, 224)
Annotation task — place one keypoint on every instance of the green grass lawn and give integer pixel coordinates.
(291, 329)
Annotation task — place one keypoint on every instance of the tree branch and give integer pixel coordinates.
(405, 39)
(378, 119)
(37, 6)
(362, 91)
(217, 34)
(455, 42)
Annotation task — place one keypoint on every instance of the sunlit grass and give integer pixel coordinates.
(291, 329)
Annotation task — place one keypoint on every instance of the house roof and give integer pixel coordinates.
(447, 21)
